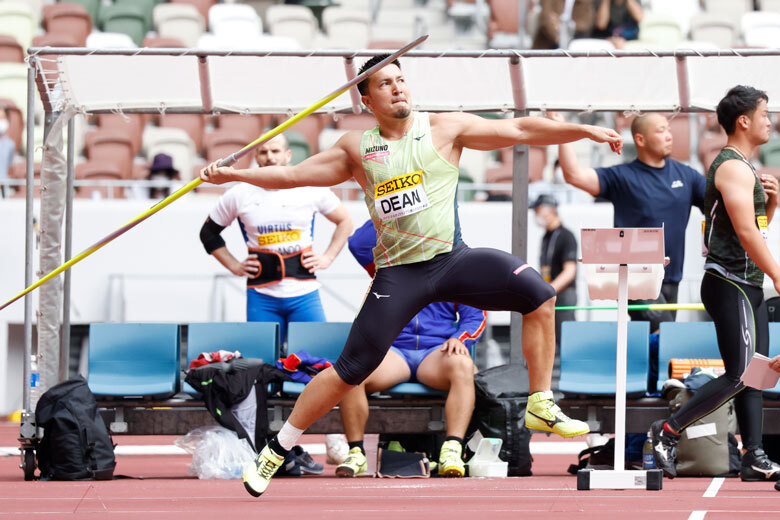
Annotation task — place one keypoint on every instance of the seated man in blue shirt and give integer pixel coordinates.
(651, 191)
(432, 349)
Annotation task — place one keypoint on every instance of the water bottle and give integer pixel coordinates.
(35, 382)
(648, 461)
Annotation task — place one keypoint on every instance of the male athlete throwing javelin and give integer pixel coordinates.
(407, 167)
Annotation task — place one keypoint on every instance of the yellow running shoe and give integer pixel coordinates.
(257, 475)
(451, 460)
(355, 464)
(543, 414)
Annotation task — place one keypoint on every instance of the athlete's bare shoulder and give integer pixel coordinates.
(451, 123)
(350, 142)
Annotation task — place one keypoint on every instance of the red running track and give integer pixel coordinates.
(167, 492)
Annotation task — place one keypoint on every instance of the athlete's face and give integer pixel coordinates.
(388, 93)
(273, 152)
(656, 139)
(759, 126)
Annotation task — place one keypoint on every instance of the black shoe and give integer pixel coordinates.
(664, 448)
(756, 466)
(299, 462)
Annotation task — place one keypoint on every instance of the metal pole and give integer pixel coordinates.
(683, 84)
(354, 94)
(27, 429)
(620, 368)
(519, 203)
(205, 84)
(65, 334)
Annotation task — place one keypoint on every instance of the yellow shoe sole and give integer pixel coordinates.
(452, 472)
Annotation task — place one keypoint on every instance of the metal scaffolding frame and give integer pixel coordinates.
(48, 87)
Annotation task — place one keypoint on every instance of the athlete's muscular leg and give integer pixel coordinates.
(395, 296)
(494, 280)
(539, 345)
(454, 373)
(321, 394)
(354, 406)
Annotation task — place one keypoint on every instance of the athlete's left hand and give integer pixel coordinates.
(769, 182)
(606, 135)
(454, 346)
(774, 364)
(314, 262)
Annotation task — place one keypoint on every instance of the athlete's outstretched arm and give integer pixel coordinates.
(489, 134)
(583, 178)
(734, 180)
(327, 168)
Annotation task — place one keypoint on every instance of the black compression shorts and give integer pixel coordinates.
(484, 278)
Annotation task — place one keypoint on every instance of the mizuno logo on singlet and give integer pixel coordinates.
(377, 148)
(380, 295)
(418, 138)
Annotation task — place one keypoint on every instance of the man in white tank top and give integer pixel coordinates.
(278, 228)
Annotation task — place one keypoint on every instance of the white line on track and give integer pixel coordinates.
(714, 487)
(697, 515)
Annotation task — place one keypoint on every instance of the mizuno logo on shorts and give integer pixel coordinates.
(378, 296)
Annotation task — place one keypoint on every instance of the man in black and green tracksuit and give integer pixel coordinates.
(738, 205)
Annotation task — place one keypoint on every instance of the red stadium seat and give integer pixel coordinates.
(111, 146)
(249, 125)
(68, 18)
(99, 170)
(158, 42)
(193, 124)
(223, 142)
(18, 170)
(310, 129)
(130, 124)
(680, 127)
(10, 50)
(710, 144)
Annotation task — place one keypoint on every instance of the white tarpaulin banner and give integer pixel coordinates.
(100, 82)
(601, 83)
(711, 77)
(274, 84)
(288, 84)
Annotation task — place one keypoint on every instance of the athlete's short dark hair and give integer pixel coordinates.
(363, 85)
(739, 101)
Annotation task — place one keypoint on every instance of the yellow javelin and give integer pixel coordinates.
(227, 161)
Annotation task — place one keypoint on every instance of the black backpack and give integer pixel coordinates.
(499, 412)
(75, 444)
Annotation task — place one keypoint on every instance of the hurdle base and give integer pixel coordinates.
(650, 479)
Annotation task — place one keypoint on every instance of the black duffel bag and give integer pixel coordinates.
(75, 444)
(499, 412)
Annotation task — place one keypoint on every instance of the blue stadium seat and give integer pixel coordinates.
(134, 360)
(774, 350)
(588, 358)
(685, 340)
(252, 339)
(318, 338)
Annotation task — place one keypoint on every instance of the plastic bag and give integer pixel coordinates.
(336, 448)
(216, 452)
